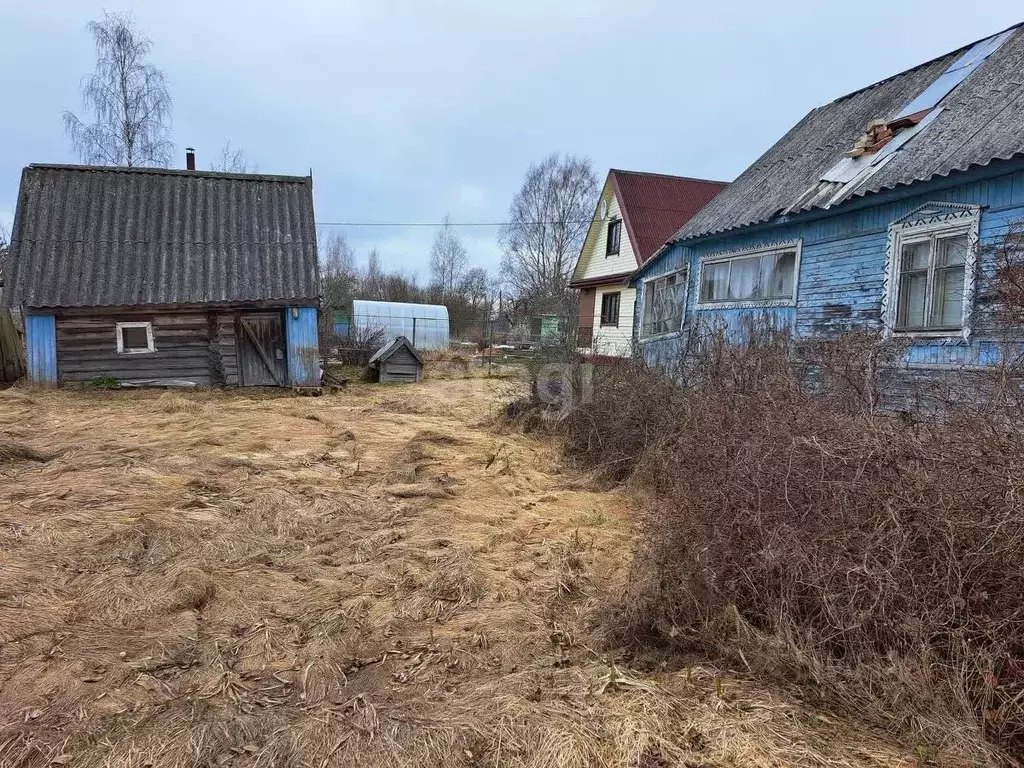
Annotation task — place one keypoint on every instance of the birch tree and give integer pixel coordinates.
(448, 259)
(127, 105)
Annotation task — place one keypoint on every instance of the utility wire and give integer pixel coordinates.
(441, 224)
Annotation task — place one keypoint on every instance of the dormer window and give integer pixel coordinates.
(614, 236)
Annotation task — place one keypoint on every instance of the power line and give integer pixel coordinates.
(441, 224)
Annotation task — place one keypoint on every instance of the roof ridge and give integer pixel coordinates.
(908, 70)
(666, 176)
(151, 171)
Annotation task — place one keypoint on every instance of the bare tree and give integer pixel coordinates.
(233, 160)
(128, 100)
(372, 285)
(548, 220)
(475, 284)
(448, 259)
(338, 271)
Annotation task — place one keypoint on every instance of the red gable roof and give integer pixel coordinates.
(654, 206)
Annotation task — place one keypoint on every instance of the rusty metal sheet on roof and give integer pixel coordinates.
(90, 236)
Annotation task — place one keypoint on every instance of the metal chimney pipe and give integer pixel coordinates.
(190, 159)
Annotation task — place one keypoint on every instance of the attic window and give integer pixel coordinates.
(614, 237)
(134, 338)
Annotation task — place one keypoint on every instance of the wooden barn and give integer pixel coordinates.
(151, 276)
(397, 363)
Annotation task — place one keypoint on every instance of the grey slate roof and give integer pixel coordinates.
(981, 121)
(93, 236)
(393, 346)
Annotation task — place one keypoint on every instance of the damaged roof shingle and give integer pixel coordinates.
(977, 122)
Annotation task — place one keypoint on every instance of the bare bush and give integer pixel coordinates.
(799, 525)
(357, 347)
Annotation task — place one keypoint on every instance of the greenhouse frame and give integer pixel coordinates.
(425, 325)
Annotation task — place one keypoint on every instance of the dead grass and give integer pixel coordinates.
(369, 578)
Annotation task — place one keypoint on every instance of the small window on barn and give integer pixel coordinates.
(767, 276)
(664, 301)
(614, 237)
(930, 279)
(610, 309)
(134, 338)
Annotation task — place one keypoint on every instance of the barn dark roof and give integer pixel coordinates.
(88, 236)
(977, 121)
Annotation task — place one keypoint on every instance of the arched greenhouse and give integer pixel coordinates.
(425, 325)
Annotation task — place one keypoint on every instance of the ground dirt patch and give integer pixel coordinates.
(375, 577)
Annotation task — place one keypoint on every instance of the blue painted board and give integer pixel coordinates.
(303, 344)
(41, 350)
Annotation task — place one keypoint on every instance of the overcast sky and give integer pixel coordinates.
(407, 110)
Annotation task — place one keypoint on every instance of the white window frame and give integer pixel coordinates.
(924, 223)
(760, 250)
(150, 347)
(684, 270)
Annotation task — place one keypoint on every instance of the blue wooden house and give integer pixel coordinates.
(875, 211)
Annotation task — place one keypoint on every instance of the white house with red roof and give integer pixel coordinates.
(636, 213)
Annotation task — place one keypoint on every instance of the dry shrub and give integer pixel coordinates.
(801, 528)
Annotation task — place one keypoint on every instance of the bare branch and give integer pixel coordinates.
(548, 220)
(234, 160)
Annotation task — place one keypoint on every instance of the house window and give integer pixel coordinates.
(614, 236)
(134, 338)
(610, 309)
(759, 276)
(664, 303)
(930, 270)
(930, 282)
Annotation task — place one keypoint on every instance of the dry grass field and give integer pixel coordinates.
(384, 576)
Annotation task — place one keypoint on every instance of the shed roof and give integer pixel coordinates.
(96, 236)
(389, 349)
(977, 121)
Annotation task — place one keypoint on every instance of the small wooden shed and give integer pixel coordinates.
(397, 362)
(160, 276)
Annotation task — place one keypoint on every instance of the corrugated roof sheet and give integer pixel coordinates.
(655, 205)
(980, 122)
(92, 236)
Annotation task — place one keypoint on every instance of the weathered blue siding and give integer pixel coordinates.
(842, 263)
(303, 346)
(41, 348)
